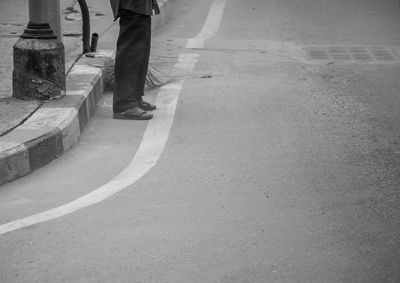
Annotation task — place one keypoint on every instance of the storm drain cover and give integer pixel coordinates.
(379, 53)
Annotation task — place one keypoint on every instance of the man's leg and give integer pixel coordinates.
(142, 78)
(130, 63)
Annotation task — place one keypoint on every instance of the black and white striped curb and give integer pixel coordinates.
(57, 125)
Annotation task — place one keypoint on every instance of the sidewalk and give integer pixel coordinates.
(12, 111)
(32, 134)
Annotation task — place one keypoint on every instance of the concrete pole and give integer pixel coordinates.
(38, 12)
(39, 58)
(55, 18)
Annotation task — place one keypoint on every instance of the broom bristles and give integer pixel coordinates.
(154, 77)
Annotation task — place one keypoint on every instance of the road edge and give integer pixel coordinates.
(57, 125)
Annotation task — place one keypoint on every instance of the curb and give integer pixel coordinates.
(57, 125)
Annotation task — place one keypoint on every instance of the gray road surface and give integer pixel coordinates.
(279, 167)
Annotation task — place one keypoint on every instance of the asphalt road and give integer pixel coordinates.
(278, 167)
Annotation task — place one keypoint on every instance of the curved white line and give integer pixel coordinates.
(211, 25)
(150, 149)
(151, 146)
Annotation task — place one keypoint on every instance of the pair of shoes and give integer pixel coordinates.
(134, 113)
(146, 106)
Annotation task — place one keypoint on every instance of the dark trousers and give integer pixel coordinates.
(132, 59)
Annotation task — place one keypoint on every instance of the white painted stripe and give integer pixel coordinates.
(79, 92)
(70, 132)
(151, 147)
(211, 26)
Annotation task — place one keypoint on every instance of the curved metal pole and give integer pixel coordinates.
(85, 26)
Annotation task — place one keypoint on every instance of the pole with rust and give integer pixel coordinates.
(39, 58)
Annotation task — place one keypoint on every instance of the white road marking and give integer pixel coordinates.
(150, 149)
(154, 138)
(211, 25)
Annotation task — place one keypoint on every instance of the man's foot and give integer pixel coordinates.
(146, 106)
(134, 113)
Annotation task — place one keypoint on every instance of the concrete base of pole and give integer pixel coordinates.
(39, 69)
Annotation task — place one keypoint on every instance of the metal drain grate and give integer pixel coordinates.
(382, 53)
(360, 54)
(351, 53)
(339, 53)
(318, 54)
